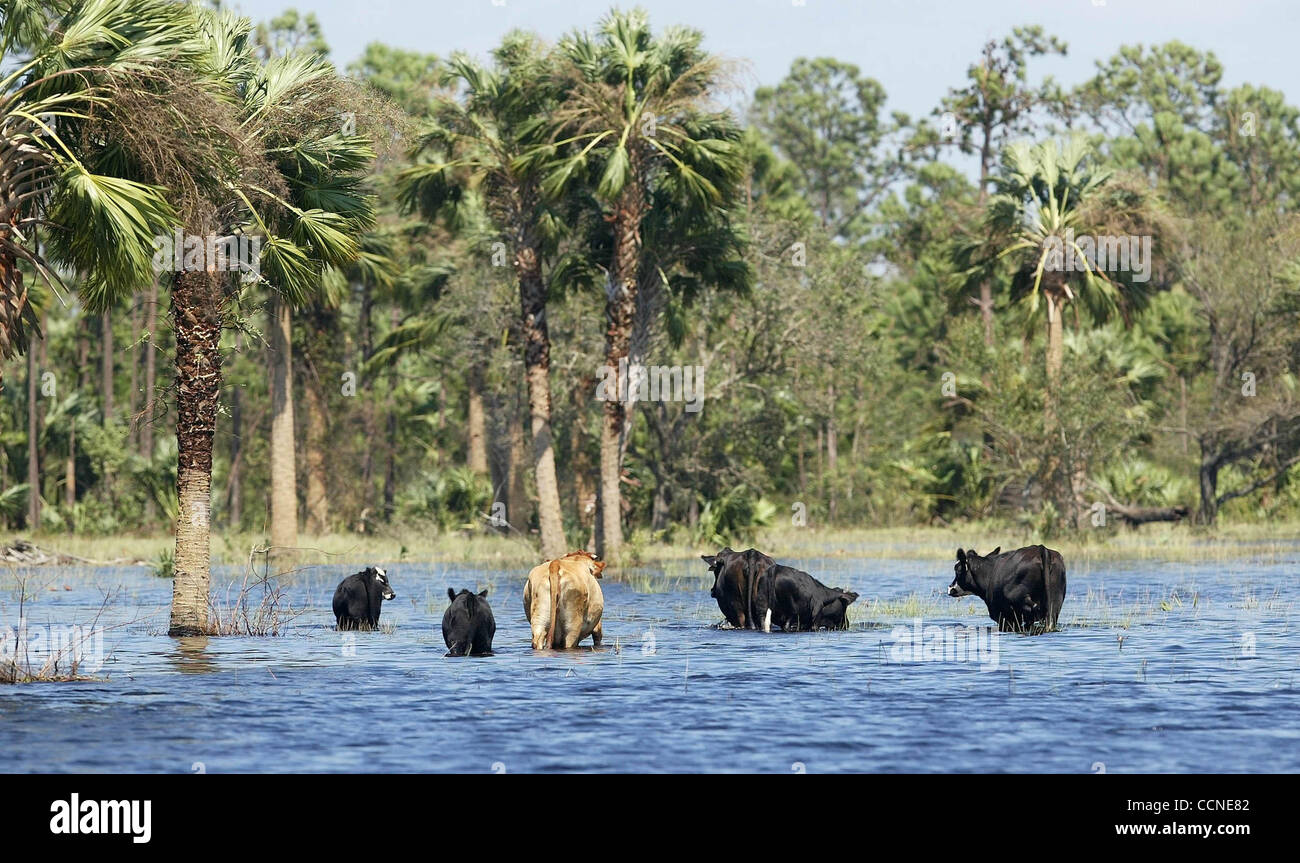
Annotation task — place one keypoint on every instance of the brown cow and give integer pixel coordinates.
(563, 601)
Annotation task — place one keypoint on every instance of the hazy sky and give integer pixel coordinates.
(915, 48)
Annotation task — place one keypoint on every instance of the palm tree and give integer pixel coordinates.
(480, 148)
(58, 176)
(1050, 201)
(635, 112)
(1049, 197)
(254, 149)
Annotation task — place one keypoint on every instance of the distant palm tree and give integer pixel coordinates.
(1048, 197)
(479, 146)
(636, 110)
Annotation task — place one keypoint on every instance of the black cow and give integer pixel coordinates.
(357, 599)
(467, 624)
(755, 592)
(735, 576)
(1023, 589)
(795, 601)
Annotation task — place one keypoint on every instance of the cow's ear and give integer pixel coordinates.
(995, 551)
(483, 593)
(961, 556)
(451, 594)
(710, 559)
(598, 568)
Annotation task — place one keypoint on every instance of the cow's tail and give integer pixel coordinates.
(554, 579)
(1045, 556)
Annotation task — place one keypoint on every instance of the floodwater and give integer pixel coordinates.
(1158, 667)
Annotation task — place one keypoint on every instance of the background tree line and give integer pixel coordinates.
(458, 245)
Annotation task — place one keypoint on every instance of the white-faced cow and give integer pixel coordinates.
(1023, 589)
(358, 597)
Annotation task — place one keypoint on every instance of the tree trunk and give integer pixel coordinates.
(318, 507)
(518, 506)
(106, 366)
(70, 469)
(1208, 477)
(367, 407)
(196, 313)
(1055, 350)
(235, 480)
(133, 390)
(986, 287)
(620, 307)
(476, 420)
(150, 370)
(284, 482)
(537, 372)
(832, 455)
(390, 450)
(33, 445)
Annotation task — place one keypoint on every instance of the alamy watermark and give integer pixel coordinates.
(640, 383)
(180, 252)
(1130, 253)
(38, 648)
(934, 643)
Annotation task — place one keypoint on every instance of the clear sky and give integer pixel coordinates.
(915, 48)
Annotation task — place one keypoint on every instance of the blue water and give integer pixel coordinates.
(1204, 679)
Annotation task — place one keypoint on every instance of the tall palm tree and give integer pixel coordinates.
(1050, 200)
(636, 110)
(58, 177)
(256, 149)
(479, 148)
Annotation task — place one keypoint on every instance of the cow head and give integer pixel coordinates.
(595, 565)
(453, 595)
(716, 564)
(380, 579)
(833, 611)
(968, 565)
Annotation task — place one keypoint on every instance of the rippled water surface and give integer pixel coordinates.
(1158, 667)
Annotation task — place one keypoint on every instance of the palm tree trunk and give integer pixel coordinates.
(518, 506)
(284, 482)
(70, 468)
(620, 307)
(132, 392)
(150, 370)
(537, 371)
(1055, 349)
(196, 319)
(367, 407)
(476, 420)
(33, 446)
(318, 507)
(390, 450)
(235, 479)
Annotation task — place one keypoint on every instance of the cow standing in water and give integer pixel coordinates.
(358, 599)
(468, 625)
(1023, 589)
(563, 601)
(755, 592)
